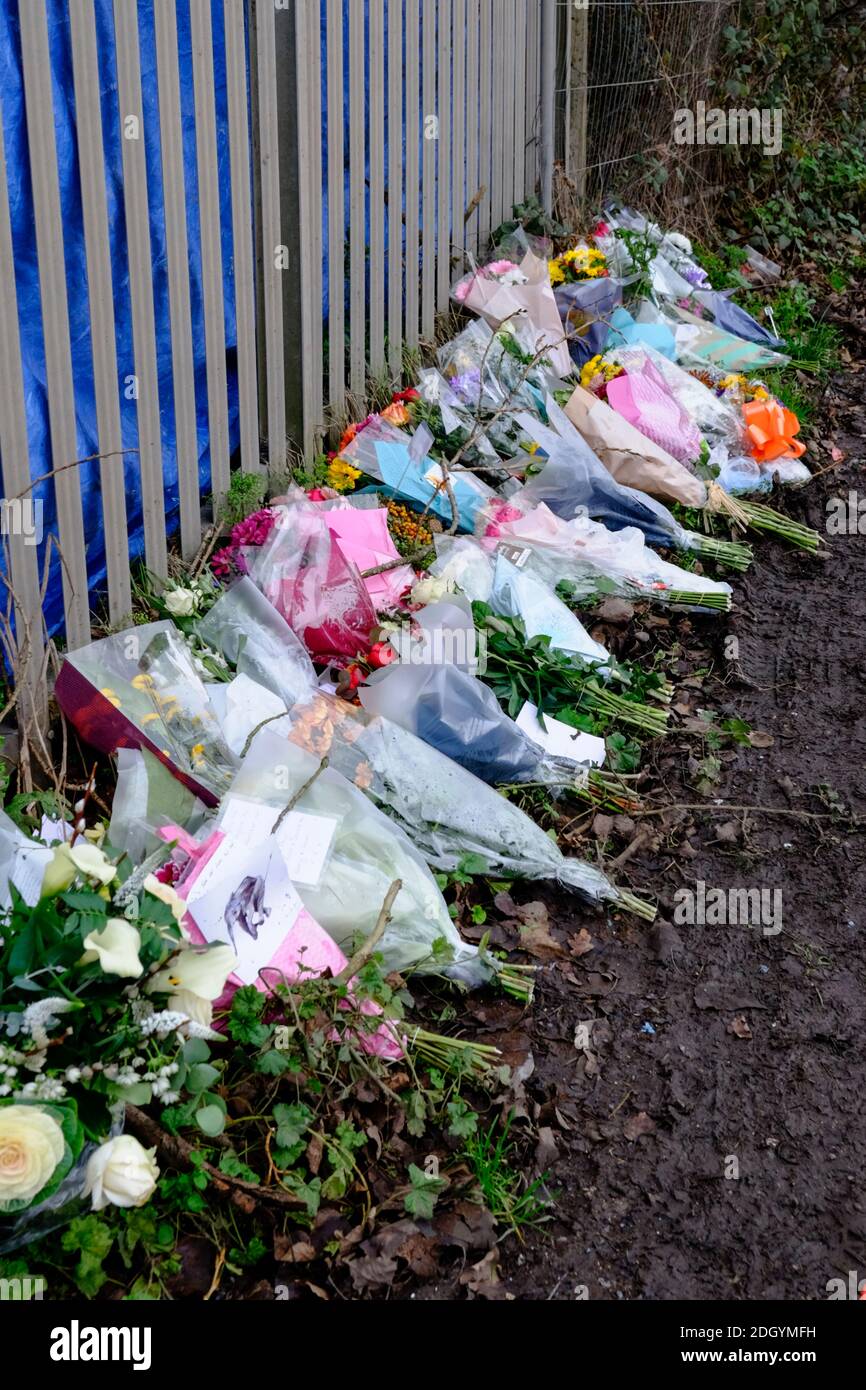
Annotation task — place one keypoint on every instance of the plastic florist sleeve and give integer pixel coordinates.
(702, 342)
(258, 642)
(575, 481)
(630, 457)
(304, 574)
(445, 811)
(367, 854)
(462, 718)
(591, 559)
(140, 689)
(716, 418)
(503, 291)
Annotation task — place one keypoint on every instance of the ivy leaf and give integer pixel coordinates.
(423, 1195)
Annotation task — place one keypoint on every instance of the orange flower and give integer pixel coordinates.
(347, 438)
(396, 414)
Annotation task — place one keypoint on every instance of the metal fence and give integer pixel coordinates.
(372, 146)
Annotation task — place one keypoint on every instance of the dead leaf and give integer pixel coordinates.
(740, 1027)
(758, 739)
(482, 1279)
(638, 1125)
(546, 1150)
(315, 1149)
(581, 943)
(288, 1251)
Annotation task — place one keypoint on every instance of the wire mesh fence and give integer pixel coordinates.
(625, 67)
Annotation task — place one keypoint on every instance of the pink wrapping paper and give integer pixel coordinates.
(642, 398)
(305, 952)
(496, 302)
(363, 536)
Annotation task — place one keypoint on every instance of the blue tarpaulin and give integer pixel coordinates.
(27, 272)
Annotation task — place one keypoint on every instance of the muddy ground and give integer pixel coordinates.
(710, 1141)
(721, 1050)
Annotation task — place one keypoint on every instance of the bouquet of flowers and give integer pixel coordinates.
(141, 689)
(581, 262)
(104, 1001)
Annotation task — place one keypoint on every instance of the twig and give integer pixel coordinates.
(292, 803)
(76, 463)
(365, 951)
(251, 735)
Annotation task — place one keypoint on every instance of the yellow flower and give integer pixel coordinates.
(110, 696)
(557, 274)
(197, 753)
(149, 718)
(342, 476)
(142, 682)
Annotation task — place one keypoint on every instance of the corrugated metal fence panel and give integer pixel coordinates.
(239, 156)
(336, 210)
(85, 67)
(14, 451)
(55, 318)
(177, 254)
(144, 375)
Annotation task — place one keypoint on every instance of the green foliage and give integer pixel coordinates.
(246, 494)
(530, 215)
(806, 58)
(509, 1197)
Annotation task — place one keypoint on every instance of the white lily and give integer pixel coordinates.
(90, 861)
(203, 973)
(166, 894)
(116, 948)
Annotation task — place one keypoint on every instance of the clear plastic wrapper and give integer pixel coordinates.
(258, 642)
(405, 467)
(592, 559)
(446, 812)
(715, 417)
(140, 689)
(728, 315)
(369, 852)
(461, 717)
(304, 574)
(517, 593)
(432, 691)
(146, 798)
(574, 480)
(462, 562)
(642, 397)
(518, 289)
(700, 342)
(585, 309)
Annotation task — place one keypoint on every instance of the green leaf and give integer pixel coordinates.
(463, 1122)
(202, 1076)
(196, 1050)
(421, 1200)
(293, 1122)
(232, 1166)
(210, 1120)
(273, 1063)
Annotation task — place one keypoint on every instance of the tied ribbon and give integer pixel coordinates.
(771, 429)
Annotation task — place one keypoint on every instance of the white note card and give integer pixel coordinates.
(559, 739)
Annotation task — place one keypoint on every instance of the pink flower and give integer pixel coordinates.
(498, 268)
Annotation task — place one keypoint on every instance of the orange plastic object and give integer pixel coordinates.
(771, 429)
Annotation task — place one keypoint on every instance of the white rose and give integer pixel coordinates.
(31, 1146)
(430, 590)
(181, 603)
(121, 1173)
(116, 948)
